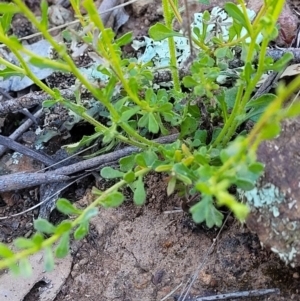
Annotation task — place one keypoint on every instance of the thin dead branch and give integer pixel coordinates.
(8, 142)
(235, 295)
(23, 180)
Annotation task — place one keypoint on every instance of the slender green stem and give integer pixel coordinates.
(94, 15)
(243, 97)
(172, 48)
(230, 122)
(74, 70)
(12, 66)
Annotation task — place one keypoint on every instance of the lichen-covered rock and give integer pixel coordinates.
(275, 201)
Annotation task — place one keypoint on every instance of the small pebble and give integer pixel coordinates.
(296, 275)
(83, 261)
(76, 266)
(27, 234)
(157, 277)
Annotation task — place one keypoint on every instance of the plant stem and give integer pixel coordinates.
(172, 48)
(74, 70)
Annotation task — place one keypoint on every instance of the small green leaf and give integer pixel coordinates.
(205, 172)
(82, 230)
(182, 173)
(171, 186)
(43, 226)
(163, 168)
(129, 113)
(84, 141)
(140, 160)
(153, 124)
(15, 269)
(5, 252)
(133, 84)
(230, 97)
(282, 62)
(5, 21)
(63, 247)
(244, 183)
(67, 35)
(8, 72)
(38, 239)
(292, 111)
(124, 39)
(270, 130)
(23, 243)
(63, 227)
(129, 177)
(49, 103)
(144, 120)
(110, 173)
(225, 199)
(248, 71)
(167, 107)
(261, 102)
(206, 211)
(114, 199)
(48, 260)
(139, 195)
(200, 138)
(200, 159)
(160, 32)
(188, 126)
(203, 187)
(234, 12)
(65, 207)
(258, 107)
(150, 157)
(189, 82)
(10, 8)
(256, 167)
(88, 214)
(78, 109)
(240, 211)
(44, 11)
(25, 267)
(127, 163)
(221, 52)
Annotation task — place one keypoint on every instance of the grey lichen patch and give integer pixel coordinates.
(266, 196)
(287, 257)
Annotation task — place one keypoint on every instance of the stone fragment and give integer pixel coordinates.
(275, 201)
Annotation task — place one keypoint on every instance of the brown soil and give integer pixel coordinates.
(145, 253)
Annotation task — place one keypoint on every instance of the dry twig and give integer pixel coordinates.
(23, 180)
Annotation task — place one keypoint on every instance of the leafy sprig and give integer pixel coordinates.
(204, 163)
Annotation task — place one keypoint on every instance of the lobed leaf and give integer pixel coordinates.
(43, 226)
(160, 32)
(65, 207)
(63, 247)
(48, 260)
(139, 195)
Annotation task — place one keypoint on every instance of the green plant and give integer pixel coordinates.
(202, 164)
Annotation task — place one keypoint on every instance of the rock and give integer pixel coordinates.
(275, 201)
(59, 15)
(139, 7)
